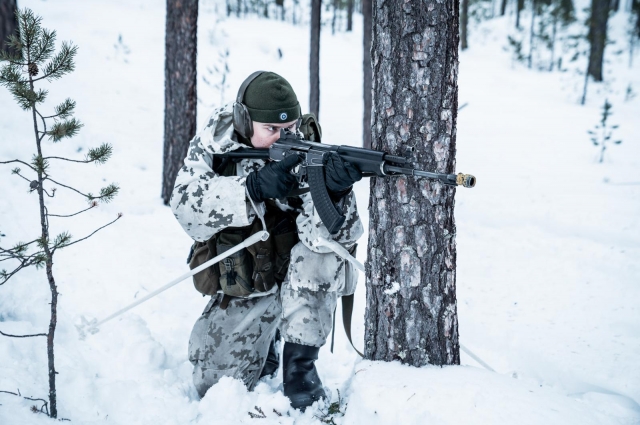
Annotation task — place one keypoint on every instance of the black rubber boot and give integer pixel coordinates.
(301, 381)
(270, 367)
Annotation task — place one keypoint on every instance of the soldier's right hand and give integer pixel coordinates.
(274, 180)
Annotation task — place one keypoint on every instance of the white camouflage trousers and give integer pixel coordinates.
(235, 341)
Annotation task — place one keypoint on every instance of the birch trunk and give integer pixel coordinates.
(411, 311)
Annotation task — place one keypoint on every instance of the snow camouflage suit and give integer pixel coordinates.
(235, 341)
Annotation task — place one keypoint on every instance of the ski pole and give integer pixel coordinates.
(91, 326)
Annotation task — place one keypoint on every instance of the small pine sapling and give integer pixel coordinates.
(30, 61)
(602, 134)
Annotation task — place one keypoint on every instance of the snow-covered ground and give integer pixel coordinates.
(548, 241)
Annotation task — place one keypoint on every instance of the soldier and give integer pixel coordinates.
(290, 287)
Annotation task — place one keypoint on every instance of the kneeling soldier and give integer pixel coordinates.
(288, 285)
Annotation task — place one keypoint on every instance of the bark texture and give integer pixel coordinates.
(367, 10)
(8, 23)
(411, 311)
(350, 15)
(314, 59)
(179, 88)
(597, 36)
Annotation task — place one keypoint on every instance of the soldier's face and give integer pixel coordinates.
(266, 134)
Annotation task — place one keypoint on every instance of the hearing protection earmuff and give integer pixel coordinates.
(241, 120)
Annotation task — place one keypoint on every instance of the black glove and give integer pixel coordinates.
(339, 174)
(274, 180)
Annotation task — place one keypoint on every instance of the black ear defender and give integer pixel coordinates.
(241, 120)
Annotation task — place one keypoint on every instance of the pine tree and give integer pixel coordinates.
(180, 97)
(30, 61)
(8, 22)
(367, 10)
(411, 312)
(314, 59)
(597, 37)
(464, 24)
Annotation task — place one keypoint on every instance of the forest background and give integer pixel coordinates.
(548, 241)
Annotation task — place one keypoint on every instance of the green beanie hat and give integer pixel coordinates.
(271, 99)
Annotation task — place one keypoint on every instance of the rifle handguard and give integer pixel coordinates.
(329, 214)
(466, 180)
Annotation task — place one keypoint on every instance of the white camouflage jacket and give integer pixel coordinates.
(205, 203)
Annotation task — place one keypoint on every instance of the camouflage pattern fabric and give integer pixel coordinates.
(234, 342)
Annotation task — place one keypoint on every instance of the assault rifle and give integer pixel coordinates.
(370, 162)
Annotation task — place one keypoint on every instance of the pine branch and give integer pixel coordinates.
(24, 96)
(13, 53)
(21, 336)
(61, 64)
(45, 46)
(20, 162)
(30, 29)
(60, 130)
(68, 187)
(106, 193)
(93, 205)
(44, 409)
(40, 164)
(64, 110)
(11, 74)
(38, 259)
(16, 171)
(91, 234)
(99, 155)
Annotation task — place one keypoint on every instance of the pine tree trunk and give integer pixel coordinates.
(503, 7)
(179, 88)
(464, 24)
(519, 8)
(411, 312)
(314, 60)
(597, 37)
(335, 16)
(367, 9)
(8, 23)
(615, 5)
(349, 15)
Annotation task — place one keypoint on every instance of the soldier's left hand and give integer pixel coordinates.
(339, 174)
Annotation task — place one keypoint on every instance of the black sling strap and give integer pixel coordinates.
(347, 312)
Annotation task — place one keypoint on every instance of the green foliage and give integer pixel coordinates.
(65, 109)
(332, 411)
(602, 133)
(101, 154)
(25, 96)
(106, 194)
(40, 164)
(61, 240)
(60, 130)
(28, 52)
(62, 63)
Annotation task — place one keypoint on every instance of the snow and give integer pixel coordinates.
(548, 240)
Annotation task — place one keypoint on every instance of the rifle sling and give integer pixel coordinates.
(347, 310)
